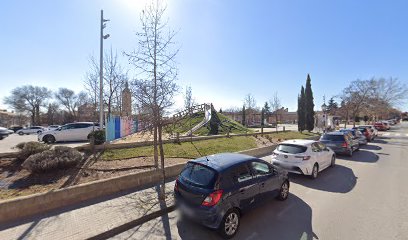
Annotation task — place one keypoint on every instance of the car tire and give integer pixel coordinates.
(333, 161)
(284, 191)
(20, 133)
(49, 139)
(315, 171)
(230, 224)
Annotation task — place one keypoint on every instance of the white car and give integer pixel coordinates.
(53, 127)
(69, 132)
(4, 132)
(307, 157)
(31, 130)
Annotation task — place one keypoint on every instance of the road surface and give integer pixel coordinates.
(363, 197)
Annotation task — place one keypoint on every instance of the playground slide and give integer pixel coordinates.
(207, 118)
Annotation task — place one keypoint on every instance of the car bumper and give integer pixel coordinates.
(304, 168)
(210, 217)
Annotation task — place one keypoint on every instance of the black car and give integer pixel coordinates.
(216, 189)
(340, 142)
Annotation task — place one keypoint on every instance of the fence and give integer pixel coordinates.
(118, 127)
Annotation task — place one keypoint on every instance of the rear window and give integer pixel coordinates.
(291, 148)
(333, 137)
(199, 175)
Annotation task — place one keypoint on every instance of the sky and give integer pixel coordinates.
(227, 48)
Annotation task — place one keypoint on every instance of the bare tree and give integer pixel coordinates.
(69, 100)
(275, 105)
(154, 60)
(189, 101)
(30, 99)
(114, 78)
(250, 107)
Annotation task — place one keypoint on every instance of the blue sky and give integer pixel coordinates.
(228, 48)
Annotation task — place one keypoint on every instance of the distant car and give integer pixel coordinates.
(31, 130)
(216, 189)
(52, 127)
(305, 157)
(15, 128)
(380, 126)
(387, 125)
(372, 129)
(357, 135)
(69, 132)
(340, 142)
(4, 132)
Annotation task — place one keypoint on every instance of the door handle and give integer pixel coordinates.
(242, 190)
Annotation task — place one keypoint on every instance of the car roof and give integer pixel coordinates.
(347, 130)
(222, 161)
(335, 133)
(301, 142)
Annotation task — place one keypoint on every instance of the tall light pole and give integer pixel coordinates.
(103, 25)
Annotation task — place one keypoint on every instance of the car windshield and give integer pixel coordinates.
(330, 137)
(199, 175)
(291, 148)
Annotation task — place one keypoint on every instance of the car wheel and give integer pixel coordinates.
(230, 224)
(20, 133)
(38, 132)
(284, 191)
(333, 161)
(49, 139)
(315, 171)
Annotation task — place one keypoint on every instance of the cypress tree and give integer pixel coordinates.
(309, 105)
(243, 115)
(301, 110)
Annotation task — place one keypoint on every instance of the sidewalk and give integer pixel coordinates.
(87, 220)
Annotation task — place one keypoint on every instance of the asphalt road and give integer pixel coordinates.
(8, 143)
(363, 197)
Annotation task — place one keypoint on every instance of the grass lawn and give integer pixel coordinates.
(290, 135)
(186, 149)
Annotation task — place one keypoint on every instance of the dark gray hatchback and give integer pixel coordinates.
(215, 190)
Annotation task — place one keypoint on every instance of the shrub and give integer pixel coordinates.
(58, 158)
(99, 136)
(29, 148)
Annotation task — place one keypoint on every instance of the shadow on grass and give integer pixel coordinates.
(338, 179)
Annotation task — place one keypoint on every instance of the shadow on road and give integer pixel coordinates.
(291, 219)
(370, 147)
(382, 141)
(361, 156)
(337, 179)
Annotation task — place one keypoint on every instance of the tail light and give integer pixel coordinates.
(345, 145)
(176, 186)
(303, 157)
(213, 198)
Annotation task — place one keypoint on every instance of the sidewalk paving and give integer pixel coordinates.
(89, 219)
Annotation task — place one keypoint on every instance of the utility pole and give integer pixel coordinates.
(103, 25)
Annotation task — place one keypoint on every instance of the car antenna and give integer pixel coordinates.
(199, 152)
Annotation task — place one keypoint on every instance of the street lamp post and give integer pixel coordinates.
(324, 108)
(103, 25)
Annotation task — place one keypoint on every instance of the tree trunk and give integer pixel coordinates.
(162, 195)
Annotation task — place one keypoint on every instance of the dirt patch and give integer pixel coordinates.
(16, 181)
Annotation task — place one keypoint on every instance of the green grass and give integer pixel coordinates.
(184, 125)
(186, 149)
(290, 135)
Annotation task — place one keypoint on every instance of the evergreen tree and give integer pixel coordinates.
(332, 106)
(220, 110)
(262, 117)
(243, 116)
(301, 110)
(309, 105)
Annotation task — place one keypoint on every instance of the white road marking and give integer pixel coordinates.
(386, 134)
(397, 134)
(406, 134)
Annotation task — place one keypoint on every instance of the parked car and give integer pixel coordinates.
(340, 142)
(305, 157)
(31, 130)
(215, 190)
(53, 127)
(356, 135)
(380, 126)
(367, 132)
(387, 125)
(15, 128)
(4, 132)
(69, 132)
(372, 129)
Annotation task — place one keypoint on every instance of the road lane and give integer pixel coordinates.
(362, 197)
